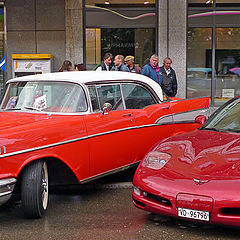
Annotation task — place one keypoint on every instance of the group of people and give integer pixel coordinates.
(165, 75)
(120, 64)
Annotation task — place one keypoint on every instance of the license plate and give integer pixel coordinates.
(193, 214)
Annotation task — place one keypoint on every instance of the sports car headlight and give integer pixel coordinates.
(156, 160)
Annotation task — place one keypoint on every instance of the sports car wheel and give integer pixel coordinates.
(34, 189)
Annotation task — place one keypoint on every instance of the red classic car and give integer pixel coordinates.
(75, 127)
(196, 175)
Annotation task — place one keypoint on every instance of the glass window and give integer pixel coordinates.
(94, 99)
(227, 3)
(200, 3)
(136, 42)
(136, 97)
(119, 28)
(110, 94)
(45, 96)
(227, 63)
(199, 70)
(227, 118)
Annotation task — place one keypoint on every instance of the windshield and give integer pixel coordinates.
(226, 119)
(62, 97)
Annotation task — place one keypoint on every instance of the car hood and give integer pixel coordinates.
(15, 119)
(203, 154)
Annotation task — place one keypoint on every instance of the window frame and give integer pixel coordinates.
(122, 95)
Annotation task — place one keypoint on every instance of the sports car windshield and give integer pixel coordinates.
(226, 119)
(62, 97)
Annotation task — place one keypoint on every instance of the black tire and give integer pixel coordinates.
(34, 189)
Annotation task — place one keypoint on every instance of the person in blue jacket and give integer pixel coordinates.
(152, 69)
(119, 64)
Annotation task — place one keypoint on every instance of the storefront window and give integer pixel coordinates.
(227, 63)
(200, 3)
(227, 3)
(213, 34)
(120, 28)
(199, 71)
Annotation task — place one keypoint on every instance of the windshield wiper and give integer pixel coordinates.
(211, 129)
(32, 108)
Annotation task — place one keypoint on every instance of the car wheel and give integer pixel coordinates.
(34, 189)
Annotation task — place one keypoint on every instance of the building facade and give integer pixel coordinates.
(199, 36)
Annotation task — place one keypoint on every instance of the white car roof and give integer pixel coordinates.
(83, 77)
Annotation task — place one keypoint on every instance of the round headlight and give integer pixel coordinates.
(156, 160)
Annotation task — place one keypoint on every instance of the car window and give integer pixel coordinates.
(94, 98)
(227, 118)
(136, 96)
(110, 94)
(49, 96)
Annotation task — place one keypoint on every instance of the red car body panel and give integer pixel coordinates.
(203, 174)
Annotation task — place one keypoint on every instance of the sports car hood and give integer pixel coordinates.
(202, 153)
(14, 119)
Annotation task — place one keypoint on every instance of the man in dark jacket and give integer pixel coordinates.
(169, 79)
(119, 64)
(106, 64)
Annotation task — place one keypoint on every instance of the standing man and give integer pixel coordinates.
(106, 63)
(120, 66)
(152, 69)
(169, 79)
(129, 61)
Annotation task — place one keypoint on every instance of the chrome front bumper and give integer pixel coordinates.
(6, 189)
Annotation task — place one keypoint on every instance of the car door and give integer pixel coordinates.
(147, 110)
(156, 120)
(111, 137)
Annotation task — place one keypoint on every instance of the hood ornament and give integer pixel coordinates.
(199, 181)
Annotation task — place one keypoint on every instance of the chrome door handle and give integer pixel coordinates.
(127, 115)
(167, 107)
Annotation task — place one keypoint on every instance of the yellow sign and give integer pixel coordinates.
(32, 56)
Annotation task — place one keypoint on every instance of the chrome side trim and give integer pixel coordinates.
(6, 188)
(5, 193)
(169, 119)
(183, 116)
(109, 172)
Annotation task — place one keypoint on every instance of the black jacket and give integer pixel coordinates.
(169, 82)
(103, 66)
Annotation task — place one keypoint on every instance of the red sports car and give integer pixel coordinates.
(74, 127)
(196, 175)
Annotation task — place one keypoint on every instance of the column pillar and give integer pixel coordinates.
(178, 42)
(74, 31)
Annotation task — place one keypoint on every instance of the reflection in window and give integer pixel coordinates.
(136, 42)
(227, 118)
(136, 97)
(45, 96)
(94, 99)
(121, 27)
(199, 64)
(110, 94)
(227, 62)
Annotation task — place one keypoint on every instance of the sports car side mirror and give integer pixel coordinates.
(201, 119)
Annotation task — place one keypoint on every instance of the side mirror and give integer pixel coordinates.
(106, 108)
(201, 119)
